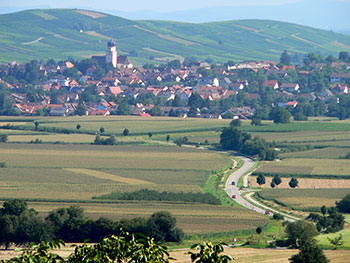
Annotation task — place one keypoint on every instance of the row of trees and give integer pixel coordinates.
(276, 180)
(233, 139)
(21, 225)
(152, 195)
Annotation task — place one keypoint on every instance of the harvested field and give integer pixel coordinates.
(251, 255)
(241, 255)
(90, 13)
(305, 198)
(304, 183)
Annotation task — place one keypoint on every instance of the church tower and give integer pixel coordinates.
(111, 54)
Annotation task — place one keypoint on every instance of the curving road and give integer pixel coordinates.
(232, 189)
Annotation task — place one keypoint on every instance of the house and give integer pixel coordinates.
(236, 86)
(271, 83)
(288, 67)
(292, 103)
(124, 62)
(99, 113)
(340, 77)
(340, 88)
(115, 90)
(58, 111)
(209, 81)
(290, 87)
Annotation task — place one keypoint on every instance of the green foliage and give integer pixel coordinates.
(162, 226)
(109, 141)
(152, 195)
(102, 130)
(234, 139)
(277, 179)
(209, 253)
(236, 123)
(14, 207)
(3, 138)
(256, 122)
(277, 216)
(310, 252)
(81, 110)
(258, 230)
(344, 204)
(126, 132)
(293, 183)
(168, 138)
(285, 58)
(180, 141)
(40, 253)
(280, 115)
(260, 180)
(300, 232)
(78, 126)
(336, 241)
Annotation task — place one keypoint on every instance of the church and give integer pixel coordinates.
(113, 58)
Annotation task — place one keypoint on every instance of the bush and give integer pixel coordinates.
(344, 204)
(2, 164)
(110, 141)
(3, 138)
(277, 216)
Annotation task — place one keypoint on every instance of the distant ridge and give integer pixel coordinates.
(62, 33)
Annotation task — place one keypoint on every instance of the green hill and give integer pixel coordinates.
(62, 33)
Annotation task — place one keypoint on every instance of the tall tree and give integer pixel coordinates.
(285, 58)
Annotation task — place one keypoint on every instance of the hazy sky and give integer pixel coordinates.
(137, 5)
(326, 14)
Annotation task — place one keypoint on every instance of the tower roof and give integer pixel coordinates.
(111, 43)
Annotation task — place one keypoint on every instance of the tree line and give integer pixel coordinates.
(152, 195)
(20, 225)
(232, 138)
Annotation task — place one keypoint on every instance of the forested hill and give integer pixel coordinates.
(62, 33)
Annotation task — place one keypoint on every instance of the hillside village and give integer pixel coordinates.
(111, 85)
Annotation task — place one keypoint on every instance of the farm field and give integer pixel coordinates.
(193, 218)
(251, 255)
(303, 183)
(82, 171)
(241, 255)
(116, 124)
(305, 198)
(324, 153)
(312, 166)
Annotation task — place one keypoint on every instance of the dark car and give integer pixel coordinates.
(233, 183)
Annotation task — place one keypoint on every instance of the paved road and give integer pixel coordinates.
(232, 189)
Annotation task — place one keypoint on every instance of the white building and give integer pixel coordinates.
(112, 54)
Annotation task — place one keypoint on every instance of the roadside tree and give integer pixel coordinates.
(260, 180)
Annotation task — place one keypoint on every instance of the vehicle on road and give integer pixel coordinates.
(233, 183)
(267, 213)
(234, 196)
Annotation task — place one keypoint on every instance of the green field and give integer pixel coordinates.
(305, 166)
(63, 33)
(324, 153)
(193, 218)
(305, 198)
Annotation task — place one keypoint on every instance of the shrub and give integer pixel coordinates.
(3, 138)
